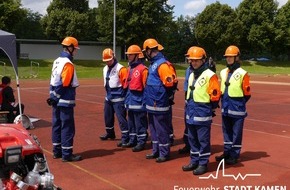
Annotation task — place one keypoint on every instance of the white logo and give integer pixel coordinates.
(243, 177)
(154, 66)
(136, 74)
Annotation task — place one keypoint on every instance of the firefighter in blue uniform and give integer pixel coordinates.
(114, 80)
(135, 99)
(161, 84)
(171, 102)
(235, 87)
(63, 84)
(203, 94)
(189, 70)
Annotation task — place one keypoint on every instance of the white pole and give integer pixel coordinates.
(18, 94)
(114, 32)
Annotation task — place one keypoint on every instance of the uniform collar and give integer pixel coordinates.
(233, 66)
(155, 58)
(67, 55)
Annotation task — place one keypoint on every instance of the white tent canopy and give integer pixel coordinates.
(8, 45)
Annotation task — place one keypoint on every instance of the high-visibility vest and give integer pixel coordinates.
(134, 79)
(200, 87)
(235, 82)
(114, 81)
(57, 68)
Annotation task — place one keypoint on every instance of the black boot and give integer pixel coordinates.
(72, 158)
(223, 156)
(108, 136)
(151, 156)
(189, 167)
(200, 170)
(138, 148)
(231, 161)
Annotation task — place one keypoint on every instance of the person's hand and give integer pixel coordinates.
(51, 102)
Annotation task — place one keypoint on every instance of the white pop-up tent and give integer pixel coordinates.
(8, 46)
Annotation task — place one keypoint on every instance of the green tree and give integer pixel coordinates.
(81, 6)
(216, 28)
(68, 18)
(257, 17)
(30, 27)
(135, 20)
(11, 14)
(281, 43)
(179, 38)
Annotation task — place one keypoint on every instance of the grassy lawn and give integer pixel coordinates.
(93, 69)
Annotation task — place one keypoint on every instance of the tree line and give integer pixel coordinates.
(257, 27)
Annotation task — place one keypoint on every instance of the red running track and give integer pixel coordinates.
(265, 150)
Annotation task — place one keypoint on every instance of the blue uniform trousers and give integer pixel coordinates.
(199, 140)
(185, 133)
(118, 108)
(63, 130)
(138, 124)
(233, 134)
(159, 125)
(171, 134)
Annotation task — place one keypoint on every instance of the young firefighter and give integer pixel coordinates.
(161, 85)
(203, 94)
(134, 102)
(114, 79)
(235, 87)
(63, 84)
(189, 70)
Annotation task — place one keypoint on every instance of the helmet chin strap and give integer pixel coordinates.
(136, 56)
(70, 52)
(149, 56)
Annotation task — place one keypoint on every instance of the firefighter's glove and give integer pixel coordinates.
(51, 102)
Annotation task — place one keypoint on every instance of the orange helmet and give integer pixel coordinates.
(152, 43)
(196, 53)
(189, 50)
(133, 49)
(70, 41)
(141, 56)
(232, 51)
(108, 54)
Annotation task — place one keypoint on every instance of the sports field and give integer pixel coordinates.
(264, 163)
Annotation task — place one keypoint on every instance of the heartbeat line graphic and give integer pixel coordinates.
(222, 163)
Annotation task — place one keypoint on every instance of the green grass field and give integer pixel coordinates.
(41, 69)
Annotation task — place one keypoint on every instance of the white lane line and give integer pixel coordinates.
(261, 132)
(271, 83)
